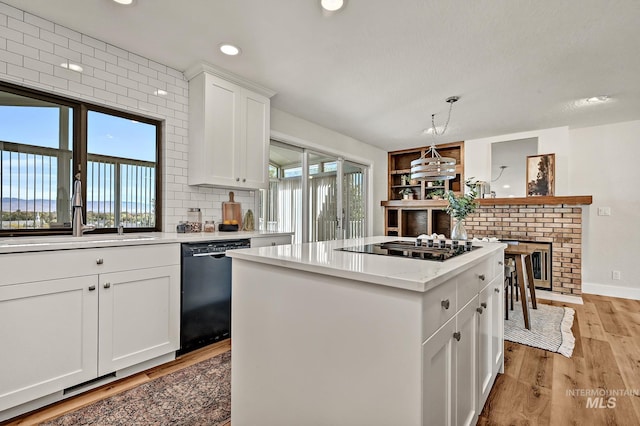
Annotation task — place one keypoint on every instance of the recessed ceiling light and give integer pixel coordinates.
(597, 99)
(229, 49)
(332, 5)
(125, 2)
(160, 92)
(506, 186)
(71, 66)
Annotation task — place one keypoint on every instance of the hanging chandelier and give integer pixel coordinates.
(435, 167)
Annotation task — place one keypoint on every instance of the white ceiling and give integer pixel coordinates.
(378, 69)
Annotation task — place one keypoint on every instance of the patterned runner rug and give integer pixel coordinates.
(550, 328)
(197, 395)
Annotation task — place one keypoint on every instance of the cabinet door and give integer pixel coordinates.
(497, 324)
(48, 331)
(222, 129)
(438, 378)
(485, 344)
(466, 348)
(253, 155)
(139, 316)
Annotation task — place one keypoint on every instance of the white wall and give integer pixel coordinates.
(32, 49)
(600, 161)
(287, 127)
(477, 154)
(605, 164)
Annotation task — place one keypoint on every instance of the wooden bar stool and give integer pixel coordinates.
(522, 257)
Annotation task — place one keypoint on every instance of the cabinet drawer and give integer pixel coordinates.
(439, 306)
(49, 265)
(275, 240)
(474, 279)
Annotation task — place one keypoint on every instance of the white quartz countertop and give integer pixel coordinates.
(410, 274)
(67, 242)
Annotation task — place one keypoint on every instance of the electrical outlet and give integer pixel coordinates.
(604, 211)
(615, 275)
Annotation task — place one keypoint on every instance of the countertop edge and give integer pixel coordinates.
(57, 243)
(268, 256)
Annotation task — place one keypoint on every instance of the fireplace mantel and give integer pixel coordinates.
(569, 200)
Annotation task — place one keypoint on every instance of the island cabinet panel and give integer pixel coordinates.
(338, 343)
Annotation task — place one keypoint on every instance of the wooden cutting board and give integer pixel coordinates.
(232, 211)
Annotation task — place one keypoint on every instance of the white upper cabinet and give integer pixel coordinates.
(229, 124)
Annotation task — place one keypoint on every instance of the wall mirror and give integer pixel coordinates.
(509, 166)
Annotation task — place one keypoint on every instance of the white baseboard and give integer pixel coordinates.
(558, 297)
(611, 290)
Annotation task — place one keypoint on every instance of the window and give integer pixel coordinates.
(46, 140)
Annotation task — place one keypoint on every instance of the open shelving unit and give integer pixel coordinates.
(425, 212)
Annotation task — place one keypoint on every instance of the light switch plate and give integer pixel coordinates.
(604, 211)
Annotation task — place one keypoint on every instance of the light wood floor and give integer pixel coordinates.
(532, 391)
(536, 386)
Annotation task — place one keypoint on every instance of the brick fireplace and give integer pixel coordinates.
(558, 224)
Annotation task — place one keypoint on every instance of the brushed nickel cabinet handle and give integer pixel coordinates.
(457, 335)
(481, 276)
(484, 305)
(107, 285)
(479, 310)
(92, 287)
(445, 304)
(500, 263)
(497, 290)
(100, 261)
(238, 179)
(244, 179)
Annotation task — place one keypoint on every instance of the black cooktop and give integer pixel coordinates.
(409, 250)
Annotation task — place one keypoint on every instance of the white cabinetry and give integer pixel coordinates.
(270, 240)
(229, 122)
(139, 311)
(426, 371)
(120, 308)
(48, 331)
(462, 358)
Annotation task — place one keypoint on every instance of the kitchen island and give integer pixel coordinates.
(323, 336)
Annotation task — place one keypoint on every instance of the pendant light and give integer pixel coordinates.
(435, 167)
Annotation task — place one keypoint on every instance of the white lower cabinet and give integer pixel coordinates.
(449, 371)
(139, 316)
(490, 343)
(49, 337)
(122, 309)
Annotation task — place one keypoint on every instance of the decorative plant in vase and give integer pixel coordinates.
(407, 193)
(460, 207)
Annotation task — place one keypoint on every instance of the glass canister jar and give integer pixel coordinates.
(209, 226)
(194, 220)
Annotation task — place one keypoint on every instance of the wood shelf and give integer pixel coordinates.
(574, 200)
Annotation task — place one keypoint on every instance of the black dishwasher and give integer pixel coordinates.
(206, 293)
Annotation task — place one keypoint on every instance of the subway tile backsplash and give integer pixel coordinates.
(31, 50)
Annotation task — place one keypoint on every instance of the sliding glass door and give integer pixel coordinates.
(330, 206)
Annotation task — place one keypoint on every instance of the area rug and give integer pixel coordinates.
(197, 395)
(550, 328)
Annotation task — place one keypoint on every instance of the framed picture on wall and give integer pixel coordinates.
(541, 175)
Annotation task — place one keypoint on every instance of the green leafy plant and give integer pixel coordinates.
(406, 191)
(461, 206)
(437, 193)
